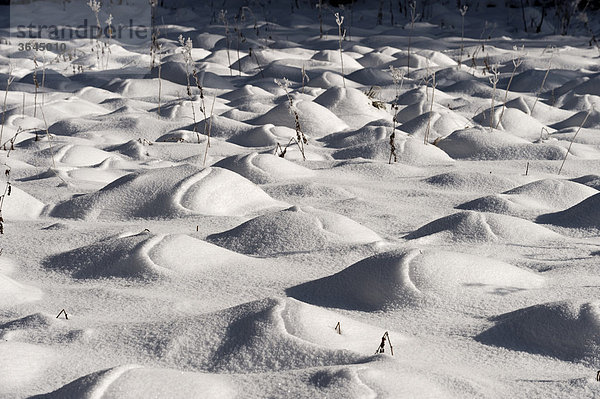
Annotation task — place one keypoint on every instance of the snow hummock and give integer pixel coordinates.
(293, 230)
(131, 380)
(415, 277)
(13, 292)
(472, 226)
(585, 214)
(143, 256)
(534, 197)
(482, 144)
(20, 205)
(350, 105)
(315, 120)
(567, 329)
(265, 168)
(172, 191)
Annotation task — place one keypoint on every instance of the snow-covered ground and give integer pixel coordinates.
(246, 213)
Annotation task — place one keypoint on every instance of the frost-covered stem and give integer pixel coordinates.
(537, 96)
(49, 142)
(340, 20)
(186, 48)
(201, 89)
(223, 18)
(110, 32)
(516, 63)
(320, 6)
(398, 79)
(9, 81)
(253, 53)
(209, 128)
(44, 73)
(159, 83)
(463, 11)
(573, 139)
(95, 7)
(7, 190)
(301, 139)
(239, 39)
(393, 147)
(156, 51)
(494, 81)
(37, 85)
(305, 78)
(412, 5)
(426, 139)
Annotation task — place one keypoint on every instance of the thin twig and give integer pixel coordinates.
(573, 139)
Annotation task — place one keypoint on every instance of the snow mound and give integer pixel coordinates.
(278, 334)
(569, 330)
(585, 214)
(143, 256)
(133, 381)
(180, 136)
(143, 88)
(247, 93)
(371, 77)
(267, 335)
(286, 67)
(315, 120)
(409, 150)
(71, 107)
(327, 79)
(264, 168)
(40, 328)
(168, 192)
(530, 80)
(14, 293)
(52, 80)
(590, 86)
(589, 180)
(576, 102)
(470, 181)
(20, 206)
(134, 149)
(370, 133)
(23, 365)
(126, 123)
(481, 144)
(82, 155)
(351, 105)
(205, 40)
(173, 72)
(223, 127)
(333, 56)
(264, 136)
(537, 196)
(415, 277)
(515, 122)
(375, 59)
(591, 118)
(440, 122)
(481, 227)
(293, 230)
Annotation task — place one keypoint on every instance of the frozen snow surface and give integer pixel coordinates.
(257, 213)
